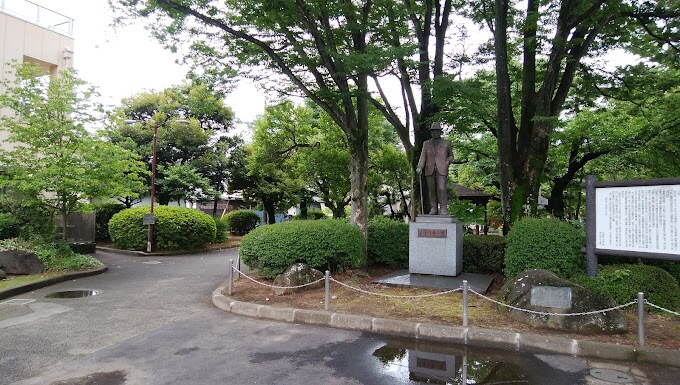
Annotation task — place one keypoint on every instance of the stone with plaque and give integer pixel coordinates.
(436, 245)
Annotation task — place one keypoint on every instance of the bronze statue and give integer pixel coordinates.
(435, 159)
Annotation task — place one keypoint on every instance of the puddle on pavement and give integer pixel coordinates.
(73, 294)
(428, 363)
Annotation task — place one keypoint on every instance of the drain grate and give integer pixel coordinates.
(17, 301)
(611, 375)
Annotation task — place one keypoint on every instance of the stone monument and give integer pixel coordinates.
(436, 240)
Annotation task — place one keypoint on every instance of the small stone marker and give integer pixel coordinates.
(551, 296)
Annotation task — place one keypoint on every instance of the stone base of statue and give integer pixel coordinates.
(435, 245)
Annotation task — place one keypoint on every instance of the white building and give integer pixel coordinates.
(35, 34)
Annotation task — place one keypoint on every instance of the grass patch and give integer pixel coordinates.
(19, 280)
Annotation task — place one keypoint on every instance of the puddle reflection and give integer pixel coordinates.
(426, 364)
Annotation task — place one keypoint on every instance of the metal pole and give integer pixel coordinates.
(153, 186)
(465, 366)
(327, 290)
(231, 276)
(465, 303)
(641, 318)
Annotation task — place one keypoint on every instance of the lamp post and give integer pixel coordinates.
(151, 219)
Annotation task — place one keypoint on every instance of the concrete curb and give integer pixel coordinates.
(12, 291)
(488, 338)
(133, 253)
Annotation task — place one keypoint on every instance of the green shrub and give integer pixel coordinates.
(672, 267)
(241, 222)
(621, 283)
(312, 214)
(34, 217)
(177, 228)
(388, 242)
(55, 257)
(545, 243)
(321, 244)
(221, 229)
(104, 212)
(9, 226)
(483, 253)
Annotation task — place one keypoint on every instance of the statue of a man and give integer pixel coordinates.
(435, 159)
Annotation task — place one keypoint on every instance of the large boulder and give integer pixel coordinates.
(553, 294)
(3, 275)
(20, 262)
(296, 275)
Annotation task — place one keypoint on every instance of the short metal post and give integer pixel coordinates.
(465, 303)
(231, 276)
(641, 318)
(465, 366)
(327, 289)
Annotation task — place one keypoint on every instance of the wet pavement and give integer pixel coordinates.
(153, 323)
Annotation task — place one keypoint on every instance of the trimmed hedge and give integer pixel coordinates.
(221, 230)
(483, 254)
(9, 226)
(388, 242)
(323, 245)
(241, 222)
(544, 243)
(621, 283)
(177, 228)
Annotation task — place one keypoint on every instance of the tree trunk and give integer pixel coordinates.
(269, 209)
(214, 210)
(358, 166)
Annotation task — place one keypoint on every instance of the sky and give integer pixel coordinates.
(122, 62)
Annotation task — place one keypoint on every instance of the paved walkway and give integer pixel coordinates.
(152, 323)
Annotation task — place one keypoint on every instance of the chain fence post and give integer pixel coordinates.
(641, 318)
(231, 276)
(327, 289)
(465, 303)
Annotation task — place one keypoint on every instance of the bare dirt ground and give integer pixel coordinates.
(661, 331)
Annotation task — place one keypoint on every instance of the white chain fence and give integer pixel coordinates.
(460, 289)
(395, 296)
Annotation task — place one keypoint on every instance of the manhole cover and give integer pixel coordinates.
(73, 294)
(611, 375)
(152, 262)
(18, 301)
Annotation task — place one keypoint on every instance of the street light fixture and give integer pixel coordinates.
(151, 220)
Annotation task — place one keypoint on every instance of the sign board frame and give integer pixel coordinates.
(638, 211)
(149, 219)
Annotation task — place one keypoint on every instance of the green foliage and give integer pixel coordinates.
(544, 244)
(312, 214)
(241, 222)
(177, 228)
(483, 253)
(34, 217)
(103, 213)
(323, 245)
(221, 230)
(9, 226)
(388, 242)
(55, 257)
(59, 161)
(621, 283)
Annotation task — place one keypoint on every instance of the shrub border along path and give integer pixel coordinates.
(487, 338)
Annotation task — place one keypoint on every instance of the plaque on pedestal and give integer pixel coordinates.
(435, 245)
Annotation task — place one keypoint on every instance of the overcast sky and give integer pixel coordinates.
(125, 61)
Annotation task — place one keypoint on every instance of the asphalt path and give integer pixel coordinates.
(152, 322)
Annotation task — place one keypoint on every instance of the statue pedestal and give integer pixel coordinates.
(435, 245)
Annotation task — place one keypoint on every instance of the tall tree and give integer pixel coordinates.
(53, 157)
(565, 33)
(321, 48)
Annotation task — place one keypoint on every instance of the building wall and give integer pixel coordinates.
(23, 41)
